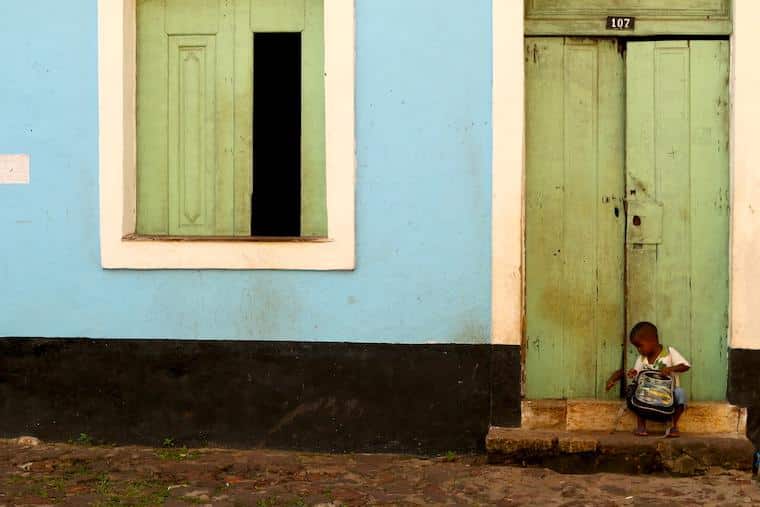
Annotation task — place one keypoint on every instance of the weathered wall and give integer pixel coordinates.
(318, 396)
(745, 269)
(423, 195)
(744, 358)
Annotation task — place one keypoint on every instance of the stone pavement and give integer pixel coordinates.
(84, 474)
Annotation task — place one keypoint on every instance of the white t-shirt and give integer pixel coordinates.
(668, 357)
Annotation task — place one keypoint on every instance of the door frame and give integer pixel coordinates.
(508, 176)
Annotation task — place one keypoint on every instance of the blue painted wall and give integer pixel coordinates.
(423, 194)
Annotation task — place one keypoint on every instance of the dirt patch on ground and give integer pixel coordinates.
(105, 476)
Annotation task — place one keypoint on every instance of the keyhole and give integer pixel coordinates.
(636, 220)
(617, 212)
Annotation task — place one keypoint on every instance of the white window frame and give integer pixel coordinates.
(117, 142)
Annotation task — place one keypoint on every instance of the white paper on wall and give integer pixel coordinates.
(14, 169)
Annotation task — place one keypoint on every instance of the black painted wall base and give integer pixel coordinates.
(421, 399)
(743, 374)
(744, 388)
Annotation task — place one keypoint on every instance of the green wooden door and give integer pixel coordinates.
(574, 213)
(677, 185)
(625, 160)
(195, 113)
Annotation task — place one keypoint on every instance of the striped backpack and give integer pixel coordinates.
(651, 396)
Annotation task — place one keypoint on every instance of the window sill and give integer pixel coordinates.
(228, 239)
(151, 253)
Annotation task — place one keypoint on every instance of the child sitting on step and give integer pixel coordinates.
(655, 356)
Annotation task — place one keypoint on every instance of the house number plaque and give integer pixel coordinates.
(621, 23)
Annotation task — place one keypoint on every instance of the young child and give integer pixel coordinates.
(655, 356)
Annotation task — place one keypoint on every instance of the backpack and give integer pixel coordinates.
(651, 396)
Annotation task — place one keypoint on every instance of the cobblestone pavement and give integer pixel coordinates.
(88, 475)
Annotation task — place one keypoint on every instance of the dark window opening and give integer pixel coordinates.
(276, 198)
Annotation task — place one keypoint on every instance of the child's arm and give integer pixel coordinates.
(637, 366)
(680, 363)
(614, 379)
(679, 368)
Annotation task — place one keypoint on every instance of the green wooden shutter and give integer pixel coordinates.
(305, 16)
(185, 131)
(195, 113)
(313, 191)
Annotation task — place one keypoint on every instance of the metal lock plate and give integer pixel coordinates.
(644, 222)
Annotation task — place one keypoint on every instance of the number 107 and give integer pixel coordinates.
(619, 23)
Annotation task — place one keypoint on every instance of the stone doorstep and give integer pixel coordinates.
(601, 415)
(618, 452)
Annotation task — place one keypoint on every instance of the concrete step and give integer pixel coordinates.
(602, 415)
(618, 452)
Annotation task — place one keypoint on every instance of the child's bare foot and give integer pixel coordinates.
(673, 433)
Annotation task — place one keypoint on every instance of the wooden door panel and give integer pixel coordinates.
(677, 158)
(152, 119)
(192, 146)
(574, 237)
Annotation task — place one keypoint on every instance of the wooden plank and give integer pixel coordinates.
(597, 26)
(671, 8)
(672, 161)
(709, 217)
(641, 300)
(640, 175)
(152, 117)
(279, 15)
(313, 186)
(579, 215)
(545, 99)
(610, 304)
(224, 192)
(192, 17)
(243, 119)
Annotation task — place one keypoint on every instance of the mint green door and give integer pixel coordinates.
(677, 185)
(626, 209)
(574, 210)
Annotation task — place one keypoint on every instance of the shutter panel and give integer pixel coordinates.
(185, 129)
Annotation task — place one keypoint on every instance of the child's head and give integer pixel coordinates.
(644, 337)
